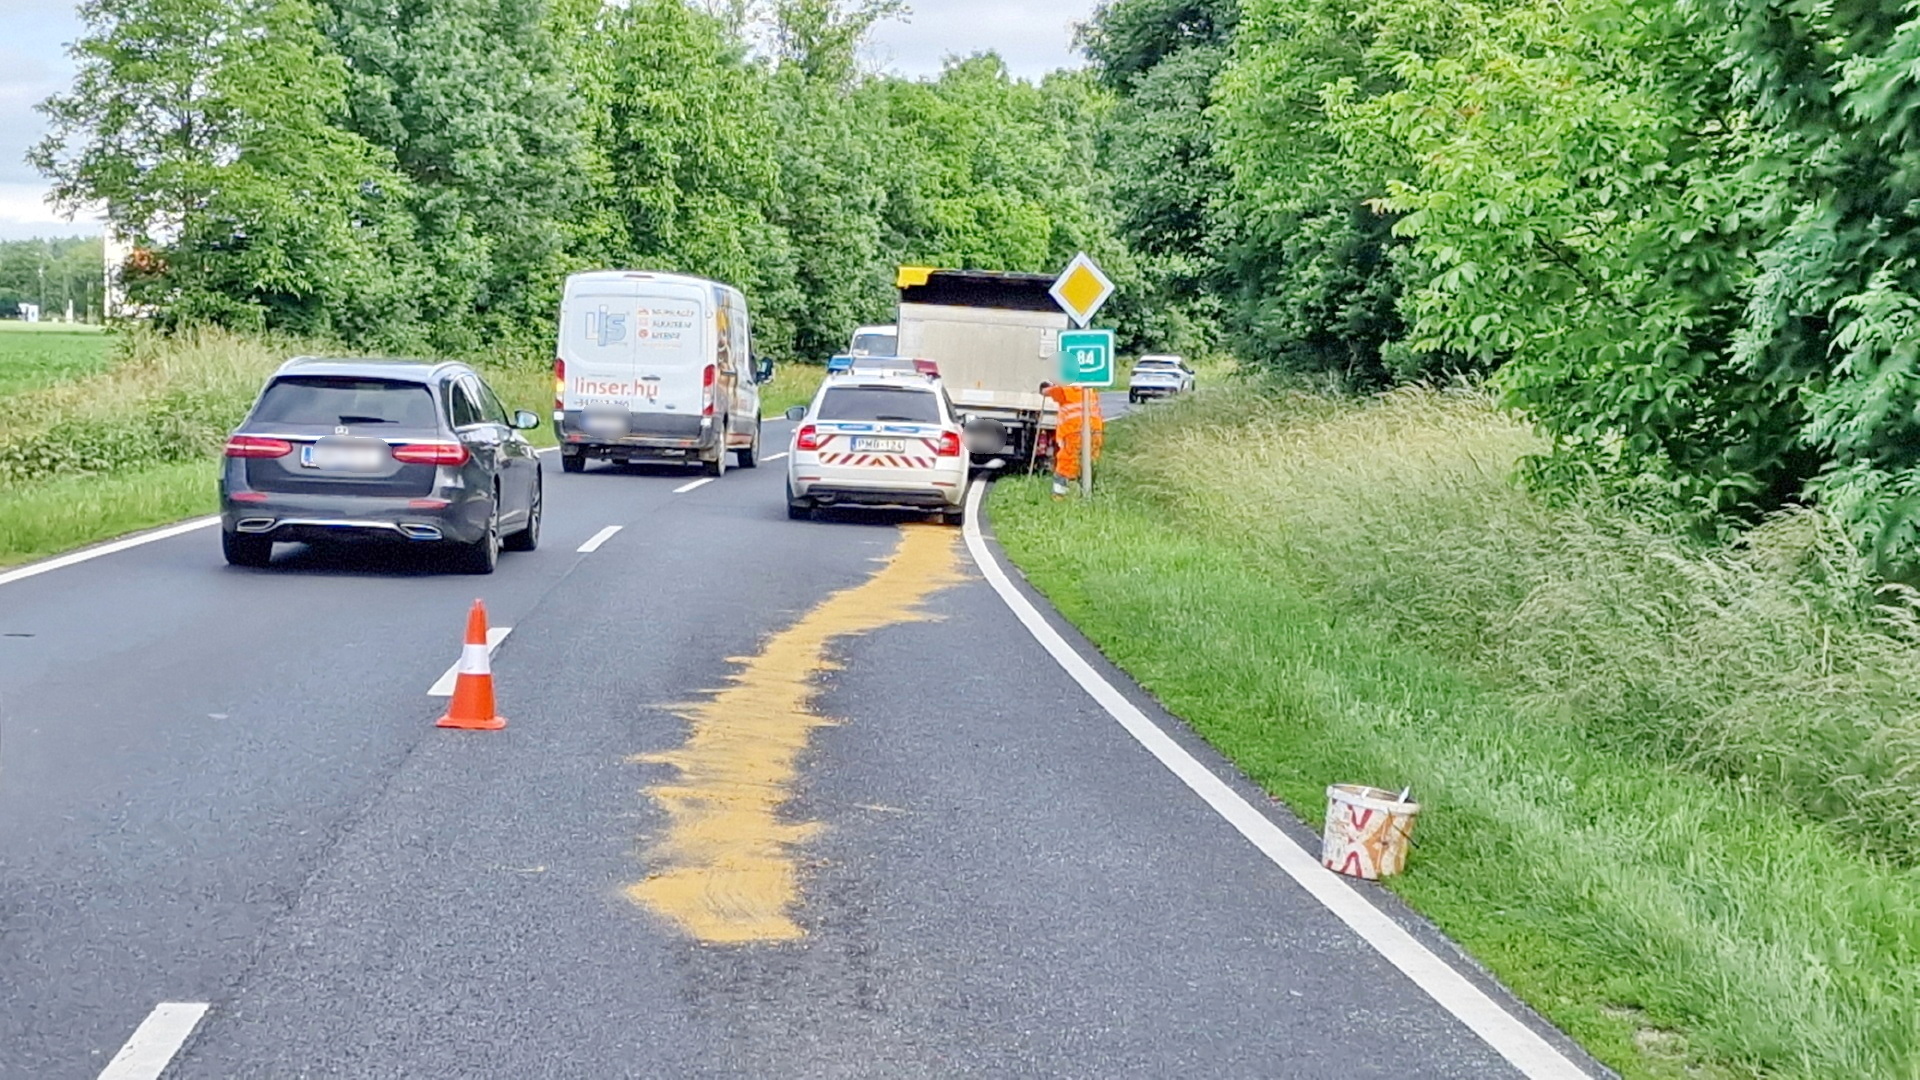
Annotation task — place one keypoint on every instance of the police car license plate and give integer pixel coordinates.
(879, 446)
(344, 457)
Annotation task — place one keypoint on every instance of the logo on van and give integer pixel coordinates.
(606, 327)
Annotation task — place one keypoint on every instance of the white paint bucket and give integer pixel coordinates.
(1368, 831)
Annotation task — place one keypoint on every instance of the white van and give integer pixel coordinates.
(656, 367)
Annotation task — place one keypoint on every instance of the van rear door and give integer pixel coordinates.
(672, 350)
(597, 345)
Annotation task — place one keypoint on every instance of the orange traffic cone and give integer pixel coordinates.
(472, 708)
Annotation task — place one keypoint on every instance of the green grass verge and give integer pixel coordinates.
(42, 519)
(793, 384)
(1677, 920)
(33, 355)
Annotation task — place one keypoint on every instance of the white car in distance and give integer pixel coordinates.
(882, 439)
(874, 341)
(1158, 376)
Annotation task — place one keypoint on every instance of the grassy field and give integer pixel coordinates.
(1669, 791)
(33, 355)
(111, 447)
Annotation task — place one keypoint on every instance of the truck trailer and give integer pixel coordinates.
(995, 337)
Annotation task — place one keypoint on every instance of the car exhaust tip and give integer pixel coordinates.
(253, 525)
(421, 532)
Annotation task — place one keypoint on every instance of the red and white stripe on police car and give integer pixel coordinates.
(888, 461)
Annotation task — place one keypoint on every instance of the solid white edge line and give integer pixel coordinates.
(775, 457)
(684, 488)
(443, 686)
(21, 573)
(152, 1045)
(593, 542)
(1528, 1052)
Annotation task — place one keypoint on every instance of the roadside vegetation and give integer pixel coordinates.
(135, 442)
(793, 384)
(1670, 788)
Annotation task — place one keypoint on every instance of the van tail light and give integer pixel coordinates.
(432, 453)
(706, 390)
(559, 384)
(807, 438)
(251, 446)
(949, 444)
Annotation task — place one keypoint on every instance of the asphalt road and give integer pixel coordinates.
(223, 786)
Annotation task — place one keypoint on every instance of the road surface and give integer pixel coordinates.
(776, 799)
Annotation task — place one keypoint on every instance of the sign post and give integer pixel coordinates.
(1086, 356)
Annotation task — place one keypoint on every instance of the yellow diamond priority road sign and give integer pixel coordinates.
(1081, 289)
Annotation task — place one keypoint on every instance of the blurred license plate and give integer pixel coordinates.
(606, 423)
(349, 457)
(880, 446)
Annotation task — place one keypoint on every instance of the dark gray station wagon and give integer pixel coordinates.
(401, 451)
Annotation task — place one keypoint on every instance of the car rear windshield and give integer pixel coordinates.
(874, 344)
(332, 400)
(1152, 364)
(880, 403)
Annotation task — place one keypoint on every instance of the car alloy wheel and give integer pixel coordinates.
(483, 555)
(529, 538)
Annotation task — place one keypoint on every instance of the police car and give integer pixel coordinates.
(883, 438)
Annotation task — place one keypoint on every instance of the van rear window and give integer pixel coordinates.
(333, 400)
(880, 403)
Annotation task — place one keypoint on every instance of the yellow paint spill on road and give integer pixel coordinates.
(726, 868)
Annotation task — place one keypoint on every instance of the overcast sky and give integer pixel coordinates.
(1033, 37)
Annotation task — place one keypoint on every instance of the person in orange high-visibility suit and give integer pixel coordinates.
(1079, 418)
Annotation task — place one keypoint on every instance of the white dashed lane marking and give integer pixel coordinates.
(153, 1044)
(601, 537)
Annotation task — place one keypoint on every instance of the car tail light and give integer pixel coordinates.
(706, 390)
(248, 496)
(432, 453)
(949, 444)
(559, 384)
(428, 504)
(252, 446)
(807, 438)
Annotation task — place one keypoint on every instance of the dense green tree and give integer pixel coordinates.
(829, 154)
(472, 98)
(52, 274)
(206, 129)
(1157, 149)
(1833, 317)
(693, 163)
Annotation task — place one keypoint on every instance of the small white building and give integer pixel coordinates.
(113, 291)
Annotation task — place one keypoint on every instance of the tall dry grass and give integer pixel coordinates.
(1779, 662)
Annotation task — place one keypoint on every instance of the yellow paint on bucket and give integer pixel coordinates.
(726, 867)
